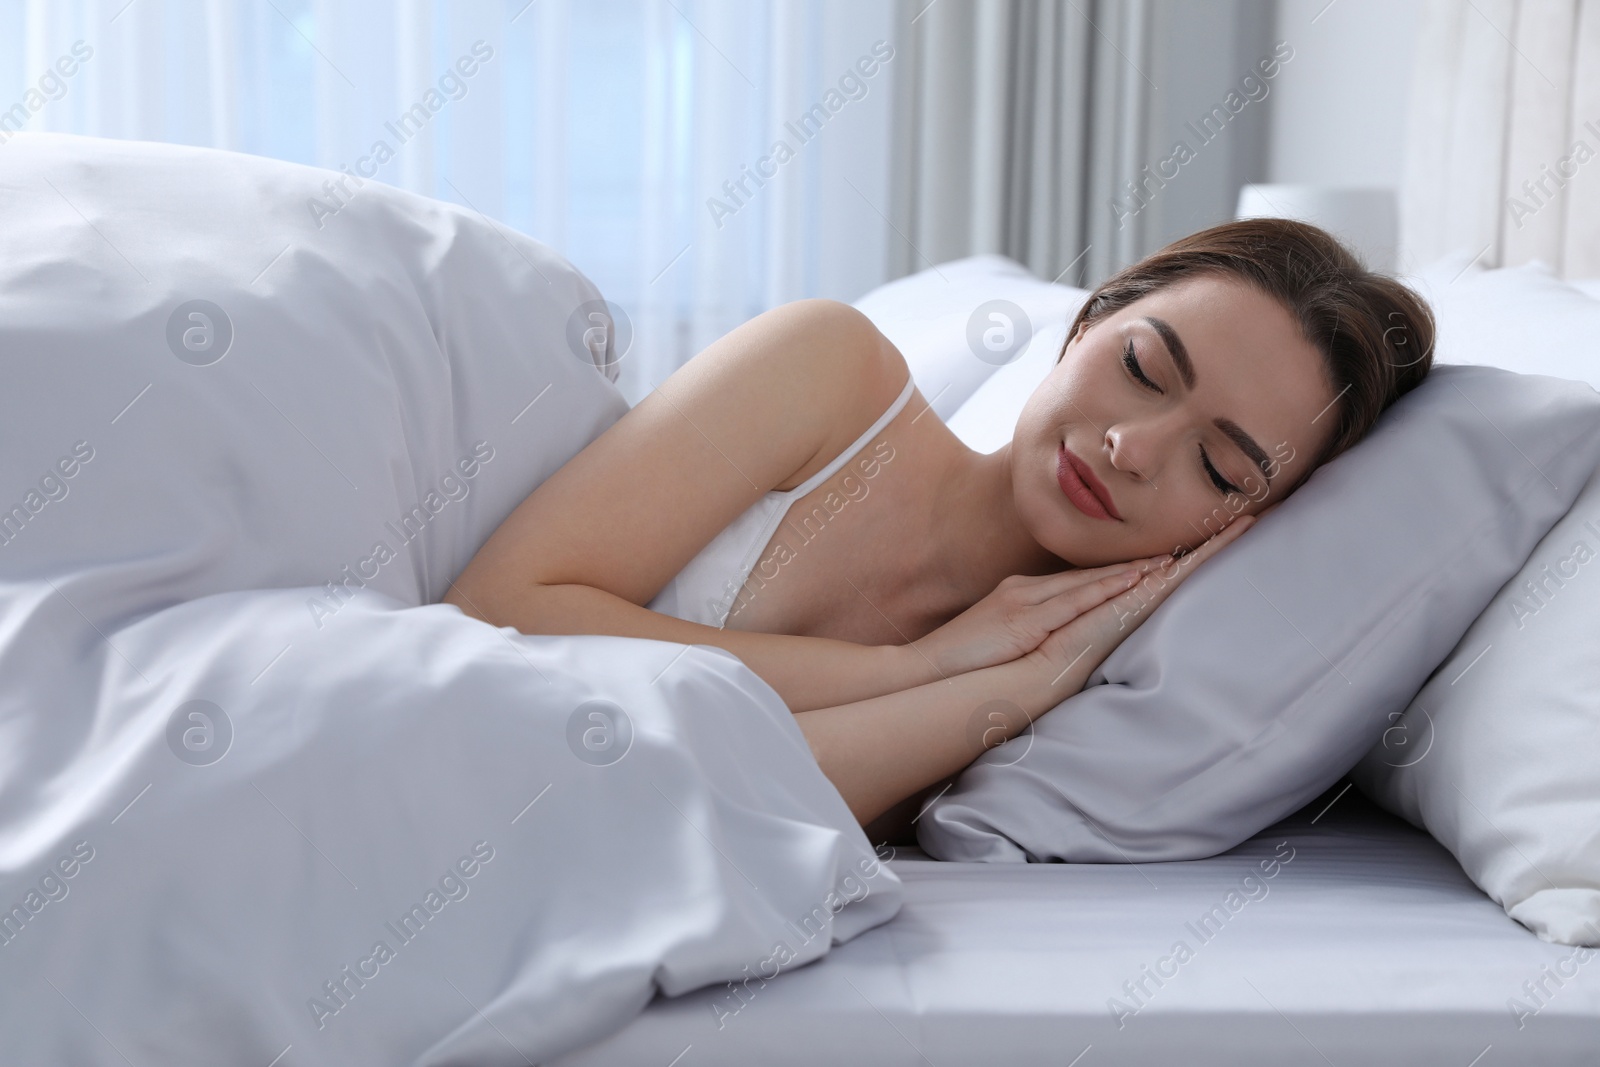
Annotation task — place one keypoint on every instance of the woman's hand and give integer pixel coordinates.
(1082, 644)
(929, 730)
(1021, 613)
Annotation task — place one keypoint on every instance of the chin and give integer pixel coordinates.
(1051, 528)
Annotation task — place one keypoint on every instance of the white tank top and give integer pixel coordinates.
(705, 590)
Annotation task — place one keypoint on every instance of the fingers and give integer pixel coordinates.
(1065, 606)
(1185, 564)
(1050, 586)
(1118, 612)
(1136, 604)
(1214, 544)
(1043, 589)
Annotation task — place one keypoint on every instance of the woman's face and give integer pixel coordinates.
(1235, 401)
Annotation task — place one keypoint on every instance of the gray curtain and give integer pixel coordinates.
(1028, 127)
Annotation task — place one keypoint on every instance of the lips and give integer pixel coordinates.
(1086, 492)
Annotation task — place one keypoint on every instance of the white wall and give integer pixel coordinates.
(1338, 114)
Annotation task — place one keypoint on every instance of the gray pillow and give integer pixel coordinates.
(1278, 664)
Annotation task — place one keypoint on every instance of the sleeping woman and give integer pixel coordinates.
(789, 496)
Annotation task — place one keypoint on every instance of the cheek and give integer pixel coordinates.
(1036, 419)
(1200, 515)
(1062, 398)
(1174, 522)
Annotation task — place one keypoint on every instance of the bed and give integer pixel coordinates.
(1367, 946)
(1341, 934)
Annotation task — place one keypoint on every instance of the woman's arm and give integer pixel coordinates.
(878, 752)
(761, 408)
(807, 672)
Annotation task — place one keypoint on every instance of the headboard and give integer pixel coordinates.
(1503, 145)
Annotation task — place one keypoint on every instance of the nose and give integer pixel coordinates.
(1136, 447)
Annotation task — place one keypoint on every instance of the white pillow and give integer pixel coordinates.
(1273, 670)
(1589, 287)
(960, 322)
(986, 422)
(1509, 745)
(1498, 757)
(1521, 318)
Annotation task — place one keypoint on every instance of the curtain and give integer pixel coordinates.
(1034, 128)
(639, 137)
(1503, 132)
(991, 146)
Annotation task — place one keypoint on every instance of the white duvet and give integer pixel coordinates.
(262, 800)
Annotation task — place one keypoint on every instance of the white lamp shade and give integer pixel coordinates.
(1365, 219)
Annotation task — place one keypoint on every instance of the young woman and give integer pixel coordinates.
(788, 496)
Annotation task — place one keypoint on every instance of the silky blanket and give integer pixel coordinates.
(263, 799)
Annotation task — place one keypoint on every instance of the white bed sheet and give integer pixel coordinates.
(1369, 946)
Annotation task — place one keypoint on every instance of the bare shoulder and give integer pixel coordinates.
(759, 409)
(855, 375)
(794, 385)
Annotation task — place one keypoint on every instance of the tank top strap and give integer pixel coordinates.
(860, 442)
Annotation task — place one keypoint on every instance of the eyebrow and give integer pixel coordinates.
(1185, 366)
(1247, 445)
(1175, 349)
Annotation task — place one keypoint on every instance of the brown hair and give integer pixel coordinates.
(1375, 334)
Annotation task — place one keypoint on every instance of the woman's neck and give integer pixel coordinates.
(978, 538)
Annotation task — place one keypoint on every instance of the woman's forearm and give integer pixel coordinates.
(807, 672)
(883, 749)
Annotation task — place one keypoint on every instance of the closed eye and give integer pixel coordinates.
(1132, 363)
(1216, 477)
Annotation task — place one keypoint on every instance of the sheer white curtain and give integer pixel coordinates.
(1503, 130)
(640, 137)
